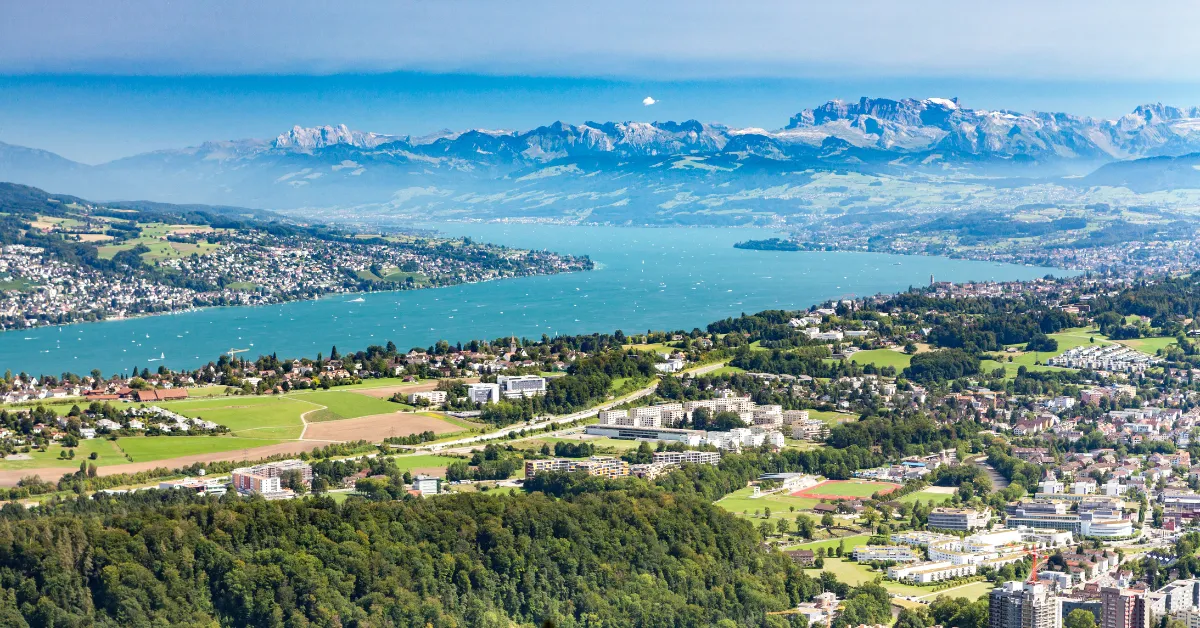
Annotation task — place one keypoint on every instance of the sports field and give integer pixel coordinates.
(845, 489)
(883, 357)
(741, 503)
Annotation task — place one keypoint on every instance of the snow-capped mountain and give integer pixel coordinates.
(311, 138)
(336, 165)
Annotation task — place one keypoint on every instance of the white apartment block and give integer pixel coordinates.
(932, 571)
(885, 553)
(690, 457)
(434, 397)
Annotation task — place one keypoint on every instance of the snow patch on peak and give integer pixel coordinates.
(949, 103)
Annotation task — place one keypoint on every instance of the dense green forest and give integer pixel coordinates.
(634, 556)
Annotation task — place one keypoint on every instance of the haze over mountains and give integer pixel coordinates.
(607, 172)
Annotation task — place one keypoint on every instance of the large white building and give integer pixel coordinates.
(959, 519)
(483, 393)
(517, 386)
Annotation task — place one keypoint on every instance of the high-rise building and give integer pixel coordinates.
(1023, 605)
(1122, 608)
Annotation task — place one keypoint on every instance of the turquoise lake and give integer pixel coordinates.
(646, 278)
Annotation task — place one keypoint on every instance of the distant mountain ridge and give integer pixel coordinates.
(335, 165)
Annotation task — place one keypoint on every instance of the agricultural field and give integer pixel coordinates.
(153, 237)
(377, 427)
(257, 417)
(845, 489)
(106, 451)
(254, 421)
(883, 357)
(600, 443)
(394, 275)
(153, 448)
(344, 405)
(431, 464)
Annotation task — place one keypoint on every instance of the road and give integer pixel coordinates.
(999, 482)
(464, 445)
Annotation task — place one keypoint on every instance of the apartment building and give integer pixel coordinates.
(1123, 608)
(602, 466)
(690, 457)
(932, 571)
(432, 397)
(886, 553)
(1023, 605)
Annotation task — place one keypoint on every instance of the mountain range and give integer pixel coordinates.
(581, 169)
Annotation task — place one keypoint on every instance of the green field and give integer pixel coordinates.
(106, 450)
(15, 284)
(604, 442)
(925, 497)
(849, 488)
(344, 405)
(972, 591)
(727, 370)
(151, 236)
(1067, 339)
(740, 503)
(1149, 345)
(832, 418)
(423, 461)
(853, 573)
(657, 347)
(850, 543)
(258, 417)
(151, 448)
(394, 275)
(883, 357)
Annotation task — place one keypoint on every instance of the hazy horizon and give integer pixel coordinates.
(94, 82)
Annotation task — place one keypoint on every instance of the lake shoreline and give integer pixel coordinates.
(642, 278)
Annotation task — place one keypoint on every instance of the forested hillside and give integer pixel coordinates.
(616, 558)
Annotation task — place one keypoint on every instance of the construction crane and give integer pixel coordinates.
(232, 352)
(1033, 570)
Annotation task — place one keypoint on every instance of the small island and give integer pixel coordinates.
(770, 244)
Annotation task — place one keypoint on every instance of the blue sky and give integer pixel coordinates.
(95, 81)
